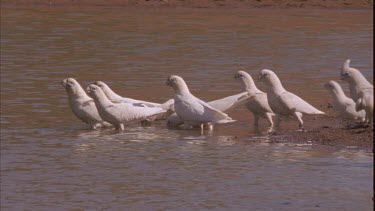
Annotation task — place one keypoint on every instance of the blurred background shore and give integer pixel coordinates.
(243, 4)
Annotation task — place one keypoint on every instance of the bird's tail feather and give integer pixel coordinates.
(228, 120)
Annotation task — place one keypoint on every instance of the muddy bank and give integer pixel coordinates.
(332, 4)
(330, 131)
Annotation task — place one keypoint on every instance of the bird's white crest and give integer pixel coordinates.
(357, 82)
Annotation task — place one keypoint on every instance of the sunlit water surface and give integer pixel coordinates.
(50, 160)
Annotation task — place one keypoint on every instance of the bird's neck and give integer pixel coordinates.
(338, 94)
(181, 89)
(102, 100)
(360, 81)
(276, 87)
(248, 85)
(78, 95)
(111, 95)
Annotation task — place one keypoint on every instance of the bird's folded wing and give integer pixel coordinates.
(261, 99)
(295, 103)
(128, 112)
(230, 102)
(211, 112)
(139, 102)
(89, 111)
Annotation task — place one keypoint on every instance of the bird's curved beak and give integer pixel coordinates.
(261, 77)
(168, 82)
(64, 82)
(88, 89)
(343, 77)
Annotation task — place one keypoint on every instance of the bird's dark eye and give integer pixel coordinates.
(266, 75)
(100, 85)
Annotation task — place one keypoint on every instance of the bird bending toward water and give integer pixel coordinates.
(344, 105)
(224, 105)
(193, 111)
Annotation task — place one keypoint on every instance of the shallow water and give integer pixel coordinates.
(49, 158)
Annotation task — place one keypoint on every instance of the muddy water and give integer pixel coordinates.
(50, 160)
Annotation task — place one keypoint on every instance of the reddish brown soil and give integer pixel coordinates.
(331, 132)
(341, 4)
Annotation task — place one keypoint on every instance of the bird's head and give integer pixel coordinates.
(346, 71)
(267, 76)
(240, 75)
(331, 85)
(100, 84)
(71, 85)
(93, 90)
(174, 81)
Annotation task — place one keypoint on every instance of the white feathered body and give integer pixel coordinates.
(366, 102)
(344, 105)
(346, 108)
(135, 102)
(287, 103)
(85, 110)
(123, 113)
(195, 112)
(357, 82)
(356, 87)
(112, 96)
(224, 105)
(83, 107)
(228, 103)
(258, 104)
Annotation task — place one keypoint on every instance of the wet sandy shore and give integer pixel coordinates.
(328, 130)
(331, 133)
(331, 4)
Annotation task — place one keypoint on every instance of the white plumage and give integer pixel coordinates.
(82, 105)
(284, 103)
(357, 82)
(224, 105)
(258, 103)
(112, 96)
(119, 114)
(361, 90)
(193, 111)
(366, 103)
(344, 105)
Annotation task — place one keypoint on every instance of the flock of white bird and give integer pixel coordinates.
(102, 107)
